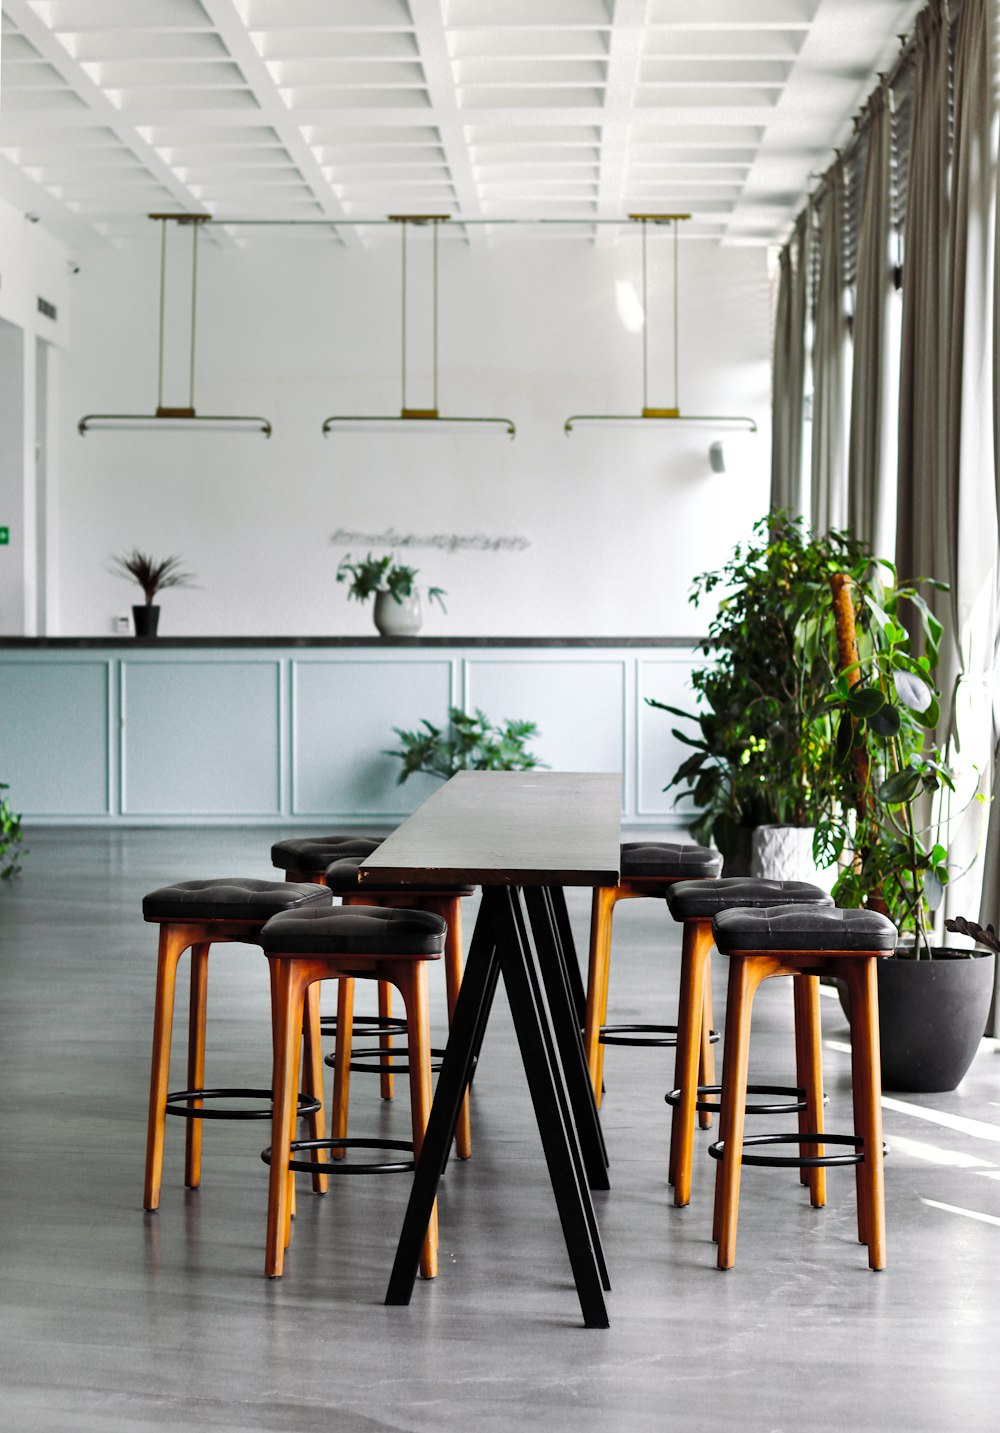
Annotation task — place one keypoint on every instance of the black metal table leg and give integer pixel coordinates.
(565, 1026)
(464, 1042)
(552, 1111)
(557, 900)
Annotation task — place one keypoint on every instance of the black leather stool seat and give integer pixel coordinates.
(342, 879)
(699, 900)
(235, 899)
(802, 927)
(354, 930)
(668, 859)
(312, 854)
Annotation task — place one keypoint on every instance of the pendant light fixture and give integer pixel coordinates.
(672, 414)
(167, 418)
(406, 413)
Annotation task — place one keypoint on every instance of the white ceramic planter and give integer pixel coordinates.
(784, 853)
(398, 619)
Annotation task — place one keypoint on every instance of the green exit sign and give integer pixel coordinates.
(4, 536)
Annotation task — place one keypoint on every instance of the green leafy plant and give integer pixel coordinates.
(762, 746)
(473, 743)
(152, 576)
(889, 766)
(371, 575)
(12, 848)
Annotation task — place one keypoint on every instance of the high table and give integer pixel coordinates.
(522, 836)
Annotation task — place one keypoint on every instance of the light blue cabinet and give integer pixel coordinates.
(296, 735)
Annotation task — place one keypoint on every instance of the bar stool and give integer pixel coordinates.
(648, 868)
(342, 879)
(195, 915)
(314, 943)
(306, 858)
(696, 903)
(803, 941)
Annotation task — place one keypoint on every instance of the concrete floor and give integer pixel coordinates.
(111, 1318)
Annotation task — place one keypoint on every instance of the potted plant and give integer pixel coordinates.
(933, 1001)
(398, 611)
(473, 743)
(11, 838)
(152, 577)
(761, 757)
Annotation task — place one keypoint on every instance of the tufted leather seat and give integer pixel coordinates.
(236, 898)
(700, 900)
(354, 930)
(803, 927)
(342, 879)
(312, 854)
(668, 860)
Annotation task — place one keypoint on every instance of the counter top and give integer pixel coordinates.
(207, 643)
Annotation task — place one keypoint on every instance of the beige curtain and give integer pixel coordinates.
(970, 488)
(789, 373)
(828, 505)
(871, 467)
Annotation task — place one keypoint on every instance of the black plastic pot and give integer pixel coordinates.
(932, 1016)
(146, 619)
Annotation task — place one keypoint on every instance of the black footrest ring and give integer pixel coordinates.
(177, 1104)
(787, 1161)
(373, 1024)
(384, 1062)
(311, 1166)
(664, 1035)
(794, 1106)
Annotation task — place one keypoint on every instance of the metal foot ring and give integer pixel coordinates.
(797, 1105)
(666, 1035)
(177, 1104)
(311, 1166)
(811, 1161)
(384, 1062)
(373, 1024)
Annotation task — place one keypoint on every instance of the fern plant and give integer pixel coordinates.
(11, 838)
(473, 743)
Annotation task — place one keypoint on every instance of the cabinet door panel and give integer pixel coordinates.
(54, 737)
(200, 738)
(660, 753)
(342, 725)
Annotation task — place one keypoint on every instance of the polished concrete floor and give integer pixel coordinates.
(116, 1319)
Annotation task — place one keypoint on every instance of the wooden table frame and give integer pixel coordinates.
(523, 935)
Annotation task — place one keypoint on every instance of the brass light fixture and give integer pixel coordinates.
(406, 413)
(168, 418)
(672, 414)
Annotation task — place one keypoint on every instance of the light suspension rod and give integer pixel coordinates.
(165, 417)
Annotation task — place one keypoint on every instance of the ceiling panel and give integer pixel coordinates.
(347, 109)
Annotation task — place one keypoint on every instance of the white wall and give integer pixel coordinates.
(295, 328)
(33, 265)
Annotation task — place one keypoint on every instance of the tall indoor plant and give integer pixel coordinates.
(934, 1002)
(762, 750)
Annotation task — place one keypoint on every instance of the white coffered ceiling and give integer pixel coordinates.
(481, 109)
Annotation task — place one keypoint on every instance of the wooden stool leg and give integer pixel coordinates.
(411, 980)
(289, 986)
(172, 944)
(808, 1049)
(197, 1010)
(744, 977)
(866, 1077)
(694, 959)
(452, 914)
(342, 1062)
(384, 1041)
(312, 1080)
(706, 1065)
(597, 984)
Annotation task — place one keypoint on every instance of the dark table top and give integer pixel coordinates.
(509, 828)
